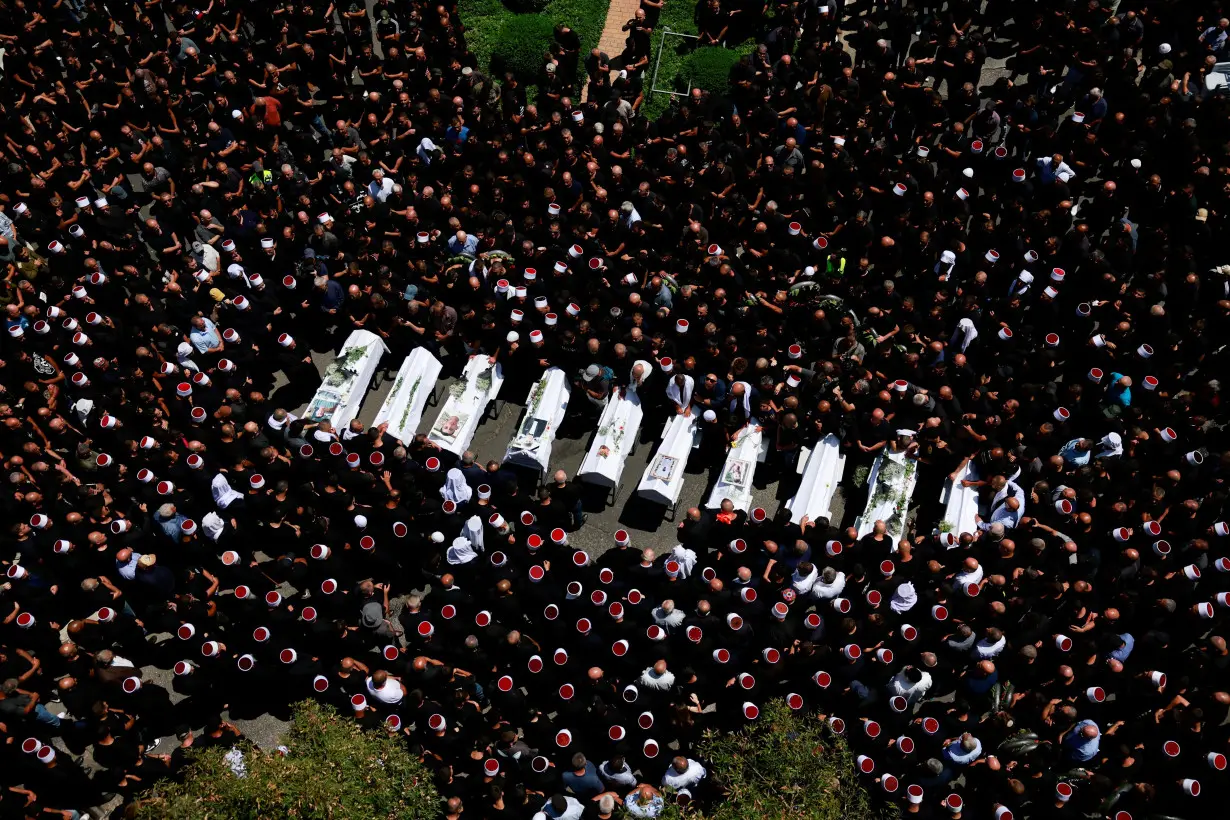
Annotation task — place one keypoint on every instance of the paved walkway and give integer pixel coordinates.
(612, 40)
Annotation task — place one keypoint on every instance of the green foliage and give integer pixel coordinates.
(482, 20)
(783, 765)
(524, 42)
(527, 6)
(485, 20)
(709, 68)
(332, 770)
(673, 74)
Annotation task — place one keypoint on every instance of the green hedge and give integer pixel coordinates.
(332, 770)
(484, 21)
(709, 68)
(522, 47)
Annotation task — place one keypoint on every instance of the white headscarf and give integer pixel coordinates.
(473, 530)
(682, 398)
(224, 494)
(460, 552)
(686, 559)
(425, 149)
(213, 525)
(964, 335)
(1111, 446)
(455, 488)
(904, 598)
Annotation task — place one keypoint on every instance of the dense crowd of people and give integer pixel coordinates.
(862, 240)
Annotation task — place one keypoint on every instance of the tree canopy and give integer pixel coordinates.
(330, 769)
(785, 764)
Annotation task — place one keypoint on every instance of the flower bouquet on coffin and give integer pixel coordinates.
(342, 371)
(615, 437)
(890, 488)
(346, 378)
(533, 428)
(466, 400)
(739, 470)
(544, 410)
(403, 407)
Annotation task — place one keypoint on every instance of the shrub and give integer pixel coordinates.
(525, 40)
(332, 769)
(709, 68)
(784, 764)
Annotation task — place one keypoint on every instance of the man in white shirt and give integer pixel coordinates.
(990, 645)
(971, 573)
(684, 774)
(616, 772)
(563, 807)
(910, 683)
(385, 688)
(830, 584)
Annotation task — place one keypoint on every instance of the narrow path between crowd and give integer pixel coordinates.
(612, 40)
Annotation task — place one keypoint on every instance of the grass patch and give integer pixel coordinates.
(485, 19)
(674, 72)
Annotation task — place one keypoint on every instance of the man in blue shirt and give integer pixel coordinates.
(463, 244)
(204, 335)
(169, 520)
(1120, 390)
(1082, 744)
(1214, 37)
(332, 294)
(1077, 452)
(583, 780)
(1126, 644)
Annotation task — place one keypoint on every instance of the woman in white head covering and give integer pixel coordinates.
(461, 552)
(224, 494)
(473, 531)
(964, 335)
(904, 598)
(1111, 446)
(213, 525)
(686, 559)
(455, 488)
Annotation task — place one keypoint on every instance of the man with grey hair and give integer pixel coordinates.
(169, 520)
